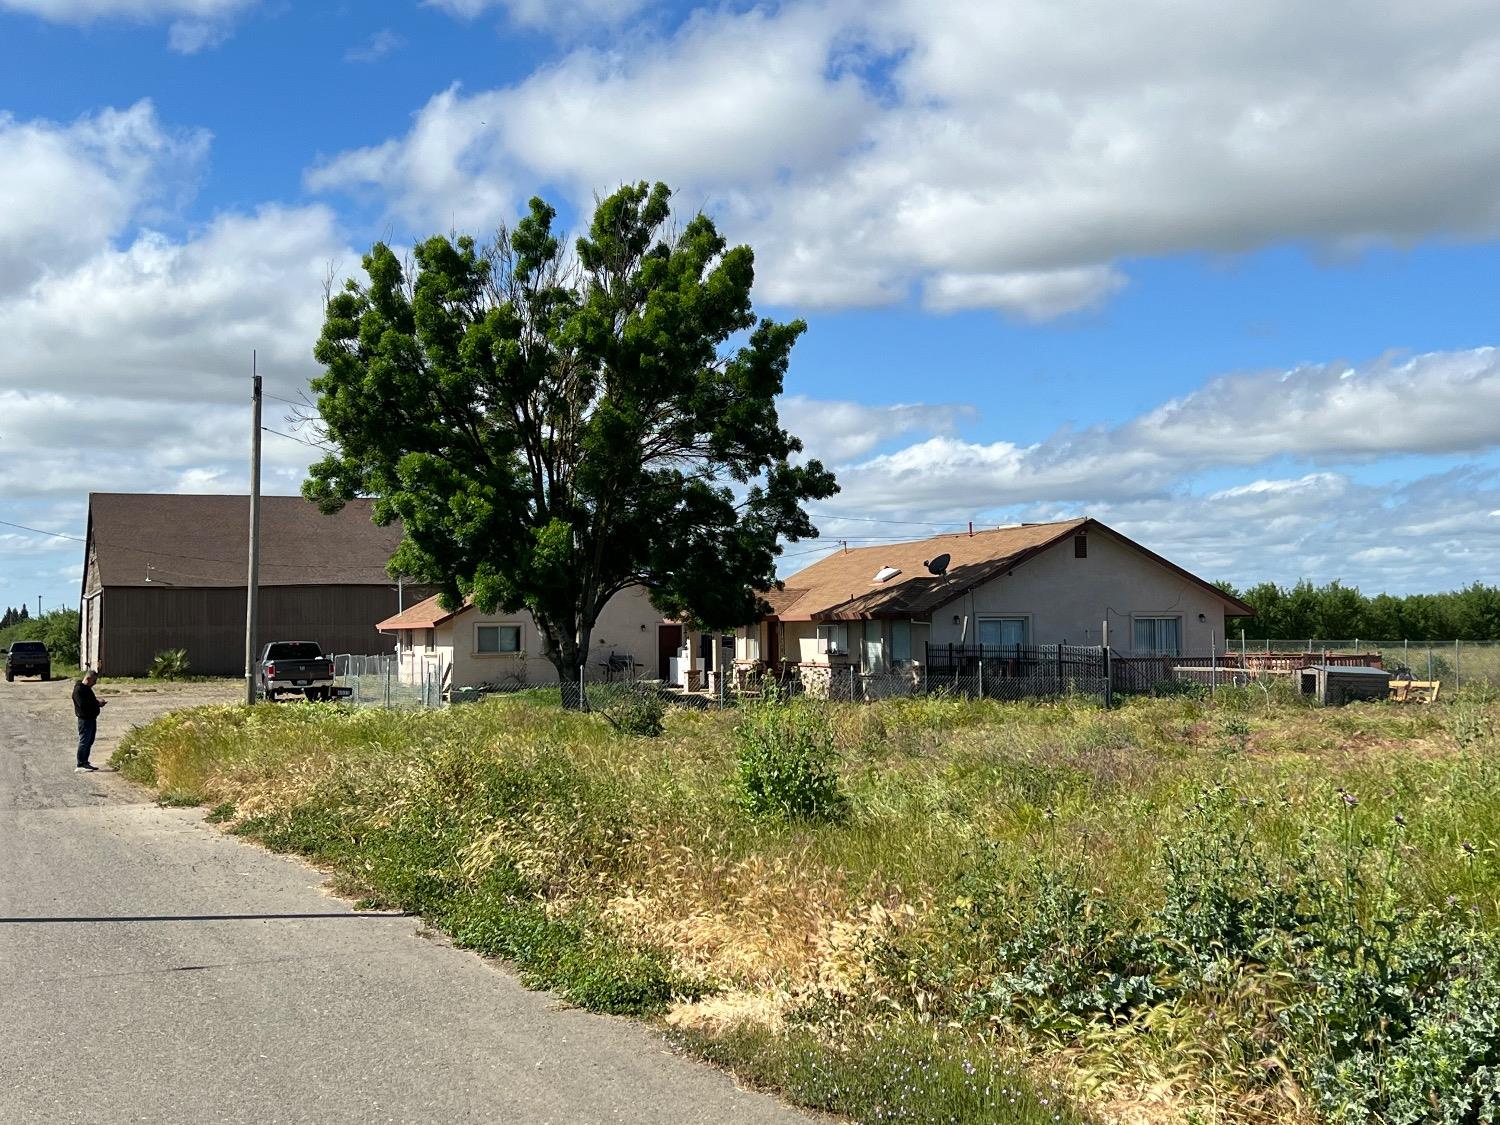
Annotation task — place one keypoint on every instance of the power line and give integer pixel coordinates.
(871, 519)
(288, 401)
(304, 441)
(156, 554)
(39, 531)
(814, 551)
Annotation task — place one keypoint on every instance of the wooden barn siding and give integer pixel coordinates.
(137, 623)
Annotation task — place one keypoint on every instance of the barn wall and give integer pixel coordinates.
(138, 622)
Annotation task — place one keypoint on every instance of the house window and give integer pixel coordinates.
(405, 641)
(900, 643)
(1004, 632)
(833, 639)
(497, 638)
(874, 647)
(1158, 635)
(429, 639)
(1080, 546)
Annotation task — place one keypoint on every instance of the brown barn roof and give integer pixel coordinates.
(842, 587)
(202, 541)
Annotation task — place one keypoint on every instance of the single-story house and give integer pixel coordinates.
(167, 571)
(474, 649)
(1075, 582)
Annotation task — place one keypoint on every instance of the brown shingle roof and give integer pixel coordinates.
(203, 541)
(843, 587)
(424, 615)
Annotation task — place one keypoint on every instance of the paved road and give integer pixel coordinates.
(154, 970)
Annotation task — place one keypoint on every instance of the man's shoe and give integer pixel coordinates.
(85, 768)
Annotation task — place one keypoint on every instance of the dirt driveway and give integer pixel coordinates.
(33, 705)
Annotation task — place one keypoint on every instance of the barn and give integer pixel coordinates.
(168, 571)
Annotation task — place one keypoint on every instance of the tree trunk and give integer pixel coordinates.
(561, 649)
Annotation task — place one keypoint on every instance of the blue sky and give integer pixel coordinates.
(1221, 275)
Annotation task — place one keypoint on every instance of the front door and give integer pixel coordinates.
(668, 641)
(773, 643)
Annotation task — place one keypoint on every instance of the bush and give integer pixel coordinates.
(170, 664)
(641, 712)
(787, 761)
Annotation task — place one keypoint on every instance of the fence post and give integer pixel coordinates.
(1213, 667)
(583, 694)
(1458, 677)
(981, 673)
(1429, 660)
(388, 685)
(1109, 676)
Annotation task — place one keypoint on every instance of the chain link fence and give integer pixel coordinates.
(1454, 663)
(1006, 673)
(384, 681)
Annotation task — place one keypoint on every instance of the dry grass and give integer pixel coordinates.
(797, 926)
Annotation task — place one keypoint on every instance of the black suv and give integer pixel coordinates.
(28, 658)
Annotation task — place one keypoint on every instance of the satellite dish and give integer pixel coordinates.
(939, 565)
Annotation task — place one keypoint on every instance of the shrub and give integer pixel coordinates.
(787, 761)
(170, 664)
(640, 712)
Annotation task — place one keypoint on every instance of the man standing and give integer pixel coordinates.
(86, 705)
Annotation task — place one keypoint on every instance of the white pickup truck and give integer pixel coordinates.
(295, 668)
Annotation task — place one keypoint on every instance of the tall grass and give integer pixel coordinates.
(1239, 911)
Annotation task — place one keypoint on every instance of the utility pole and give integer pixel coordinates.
(252, 584)
(39, 605)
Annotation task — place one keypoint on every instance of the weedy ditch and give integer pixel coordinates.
(940, 910)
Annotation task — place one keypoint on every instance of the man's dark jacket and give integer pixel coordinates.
(85, 704)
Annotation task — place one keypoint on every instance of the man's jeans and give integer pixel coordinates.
(87, 728)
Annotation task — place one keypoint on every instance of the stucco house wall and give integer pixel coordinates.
(1067, 599)
(628, 625)
(1062, 598)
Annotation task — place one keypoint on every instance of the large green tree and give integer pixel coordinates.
(552, 427)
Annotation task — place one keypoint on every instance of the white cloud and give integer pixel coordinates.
(65, 189)
(375, 48)
(1426, 534)
(1036, 296)
(175, 321)
(546, 14)
(1442, 403)
(739, 99)
(1008, 156)
(196, 24)
(840, 431)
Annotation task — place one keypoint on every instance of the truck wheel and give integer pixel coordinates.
(9, 676)
(46, 675)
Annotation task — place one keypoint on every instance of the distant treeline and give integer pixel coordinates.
(59, 629)
(1339, 612)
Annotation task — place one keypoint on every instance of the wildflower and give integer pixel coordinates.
(1350, 800)
(1469, 849)
(1049, 813)
(1400, 821)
